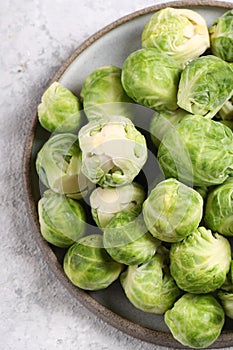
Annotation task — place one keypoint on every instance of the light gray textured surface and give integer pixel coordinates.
(36, 312)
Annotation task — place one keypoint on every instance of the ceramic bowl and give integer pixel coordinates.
(111, 45)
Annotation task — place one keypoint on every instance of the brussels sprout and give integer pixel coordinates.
(162, 121)
(58, 165)
(221, 36)
(62, 219)
(103, 94)
(219, 209)
(200, 263)
(59, 109)
(151, 79)
(126, 238)
(172, 210)
(195, 320)
(150, 287)
(88, 265)
(106, 202)
(113, 151)
(205, 85)
(226, 300)
(180, 33)
(197, 151)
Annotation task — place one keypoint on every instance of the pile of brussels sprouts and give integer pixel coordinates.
(169, 242)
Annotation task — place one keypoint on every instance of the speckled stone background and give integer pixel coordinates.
(36, 312)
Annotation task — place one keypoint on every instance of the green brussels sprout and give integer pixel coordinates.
(162, 121)
(88, 265)
(180, 33)
(62, 219)
(205, 85)
(103, 94)
(113, 151)
(126, 238)
(195, 320)
(172, 210)
(197, 151)
(108, 201)
(226, 300)
(151, 79)
(58, 165)
(59, 109)
(200, 263)
(150, 287)
(218, 214)
(221, 36)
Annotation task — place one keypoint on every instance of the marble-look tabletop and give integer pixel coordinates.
(36, 311)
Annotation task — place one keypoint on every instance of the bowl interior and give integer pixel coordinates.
(109, 46)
